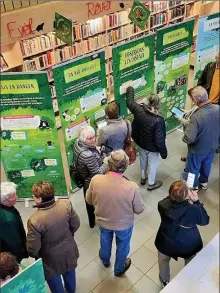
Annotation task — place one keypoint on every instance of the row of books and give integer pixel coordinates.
(38, 44)
(158, 6)
(178, 11)
(175, 3)
(158, 19)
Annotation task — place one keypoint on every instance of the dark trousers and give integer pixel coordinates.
(200, 165)
(90, 210)
(69, 278)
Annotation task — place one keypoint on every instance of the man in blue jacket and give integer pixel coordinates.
(202, 136)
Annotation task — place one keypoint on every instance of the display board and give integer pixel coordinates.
(30, 149)
(172, 68)
(81, 94)
(30, 280)
(133, 65)
(207, 44)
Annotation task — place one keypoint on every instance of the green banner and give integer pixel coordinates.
(81, 93)
(30, 280)
(30, 149)
(63, 29)
(207, 44)
(139, 14)
(172, 68)
(133, 65)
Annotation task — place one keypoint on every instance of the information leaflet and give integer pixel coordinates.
(29, 140)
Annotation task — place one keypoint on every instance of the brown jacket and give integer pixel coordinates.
(50, 236)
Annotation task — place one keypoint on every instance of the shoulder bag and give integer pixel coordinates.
(129, 147)
(75, 174)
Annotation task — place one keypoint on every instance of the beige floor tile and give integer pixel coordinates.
(113, 284)
(144, 259)
(145, 285)
(147, 211)
(150, 245)
(88, 251)
(90, 277)
(142, 232)
(153, 220)
(84, 233)
(110, 269)
(209, 231)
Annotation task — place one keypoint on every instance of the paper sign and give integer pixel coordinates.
(139, 14)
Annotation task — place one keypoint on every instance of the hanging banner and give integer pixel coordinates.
(81, 93)
(207, 44)
(133, 65)
(139, 14)
(172, 68)
(29, 280)
(63, 29)
(30, 149)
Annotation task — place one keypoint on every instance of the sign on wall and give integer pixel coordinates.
(207, 44)
(81, 93)
(64, 29)
(133, 65)
(172, 68)
(30, 149)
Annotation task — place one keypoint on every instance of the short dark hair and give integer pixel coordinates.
(44, 190)
(178, 191)
(8, 265)
(112, 110)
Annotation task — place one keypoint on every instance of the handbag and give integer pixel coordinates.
(75, 174)
(129, 147)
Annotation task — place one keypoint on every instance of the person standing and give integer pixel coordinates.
(115, 132)
(12, 232)
(116, 200)
(202, 136)
(149, 133)
(178, 234)
(88, 162)
(50, 236)
(210, 80)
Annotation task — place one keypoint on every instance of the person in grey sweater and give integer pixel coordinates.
(89, 163)
(113, 135)
(202, 136)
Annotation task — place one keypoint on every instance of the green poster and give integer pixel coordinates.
(133, 65)
(81, 93)
(63, 29)
(30, 280)
(30, 149)
(172, 68)
(139, 14)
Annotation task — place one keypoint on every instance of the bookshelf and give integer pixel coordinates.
(44, 51)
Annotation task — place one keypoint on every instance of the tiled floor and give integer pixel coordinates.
(142, 277)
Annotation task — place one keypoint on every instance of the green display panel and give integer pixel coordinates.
(139, 14)
(64, 29)
(172, 68)
(30, 280)
(30, 149)
(81, 93)
(133, 65)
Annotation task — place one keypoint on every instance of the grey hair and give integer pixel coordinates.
(85, 132)
(7, 189)
(153, 101)
(118, 161)
(199, 94)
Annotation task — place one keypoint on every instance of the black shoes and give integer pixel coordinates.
(162, 282)
(156, 185)
(127, 266)
(105, 265)
(144, 180)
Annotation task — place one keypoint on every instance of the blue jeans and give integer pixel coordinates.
(69, 278)
(123, 247)
(200, 165)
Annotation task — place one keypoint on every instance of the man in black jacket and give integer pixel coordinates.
(149, 133)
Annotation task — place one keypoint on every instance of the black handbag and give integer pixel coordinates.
(75, 174)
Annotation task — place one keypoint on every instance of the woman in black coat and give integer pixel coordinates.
(178, 234)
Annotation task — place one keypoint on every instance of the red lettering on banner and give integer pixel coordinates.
(19, 31)
(94, 8)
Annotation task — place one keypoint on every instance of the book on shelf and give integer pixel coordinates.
(158, 19)
(157, 6)
(175, 3)
(117, 19)
(177, 11)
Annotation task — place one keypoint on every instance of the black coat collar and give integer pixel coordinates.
(45, 205)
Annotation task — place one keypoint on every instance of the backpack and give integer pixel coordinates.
(75, 174)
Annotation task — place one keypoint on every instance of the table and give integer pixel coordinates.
(201, 274)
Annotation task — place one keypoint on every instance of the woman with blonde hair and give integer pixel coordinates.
(178, 235)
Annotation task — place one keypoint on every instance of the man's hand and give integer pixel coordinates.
(193, 195)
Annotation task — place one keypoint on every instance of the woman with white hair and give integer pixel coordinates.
(116, 200)
(12, 233)
(88, 163)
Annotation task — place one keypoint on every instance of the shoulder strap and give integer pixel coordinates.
(77, 159)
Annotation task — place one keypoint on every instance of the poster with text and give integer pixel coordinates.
(81, 93)
(133, 65)
(30, 149)
(172, 68)
(30, 280)
(207, 44)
